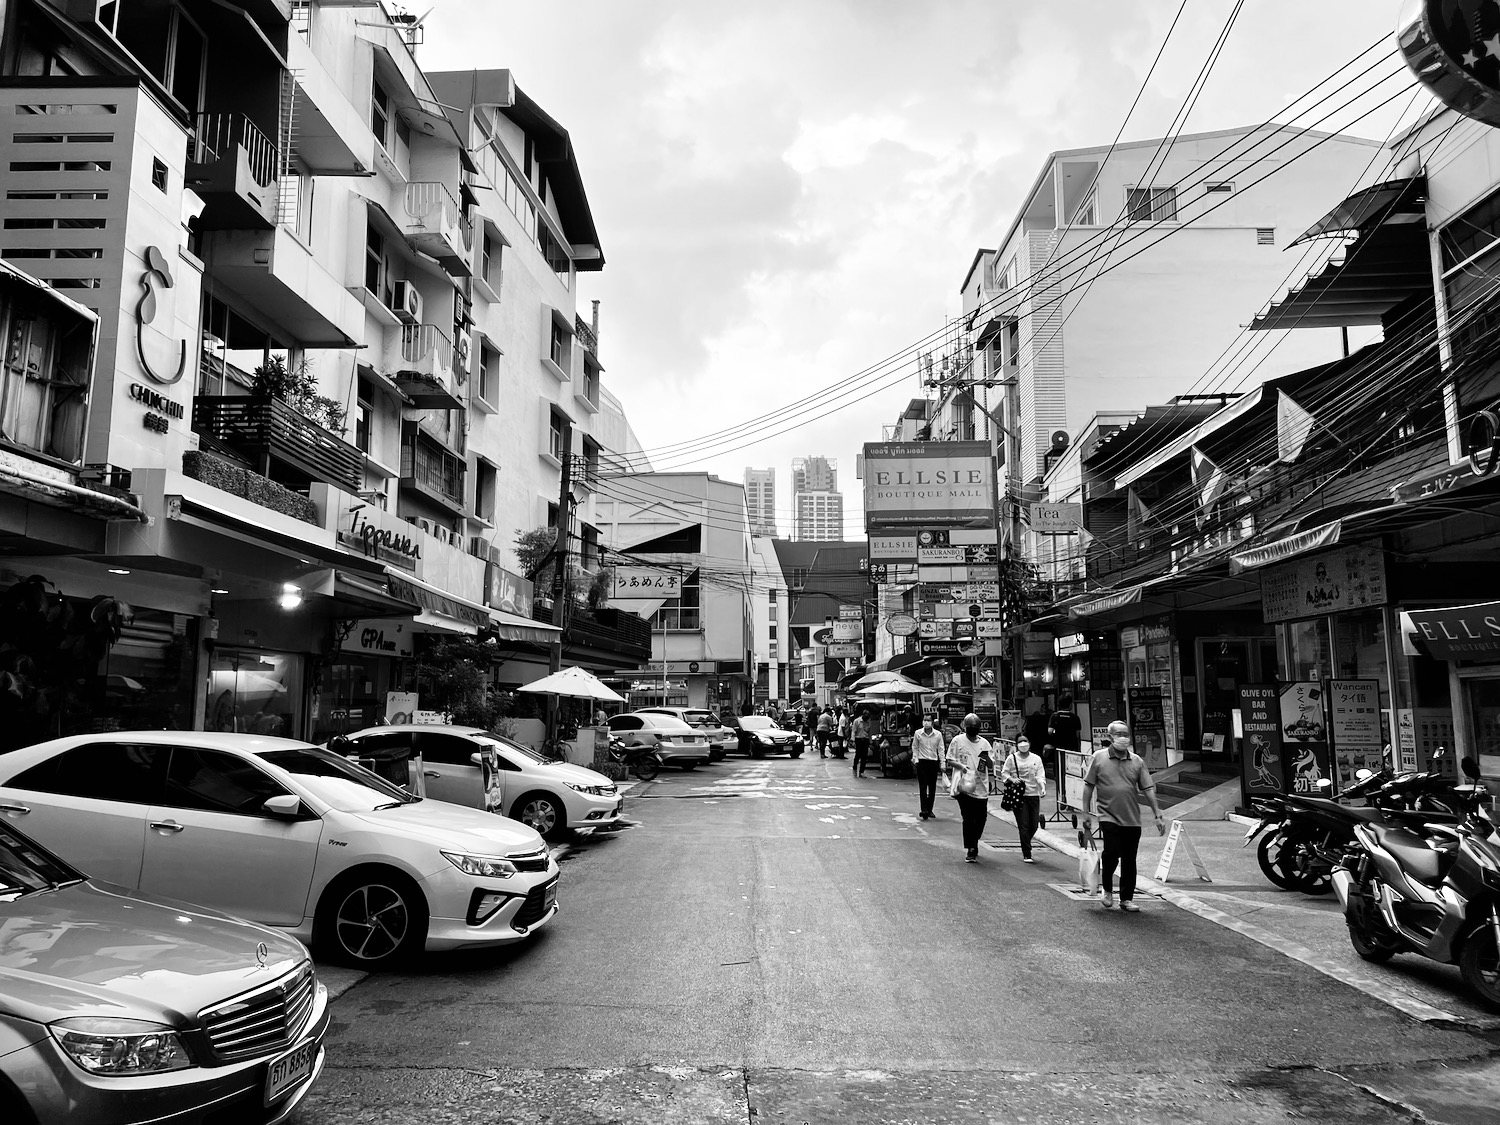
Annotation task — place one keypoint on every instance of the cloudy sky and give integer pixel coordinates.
(789, 192)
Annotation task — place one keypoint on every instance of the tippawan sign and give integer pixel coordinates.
(927, 483)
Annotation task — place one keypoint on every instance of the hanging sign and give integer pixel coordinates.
(644, 584)
(1055, 519)
(1450, 46)
(900, 624)
(1304, 734)
(1354, 726)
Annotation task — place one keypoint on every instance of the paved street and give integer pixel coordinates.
(777, 941)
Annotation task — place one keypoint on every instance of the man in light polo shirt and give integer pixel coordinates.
(1119, 778)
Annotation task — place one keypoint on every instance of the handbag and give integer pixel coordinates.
(1088, 865)
(1012, 790)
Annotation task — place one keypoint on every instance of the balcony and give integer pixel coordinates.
(233, 166)
(271, 433)
(433, 472)
(282, 280)
(617, 637)
(333, 137)
(433, 224)
(420, 361)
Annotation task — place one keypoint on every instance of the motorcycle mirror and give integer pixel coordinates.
(1470, 768)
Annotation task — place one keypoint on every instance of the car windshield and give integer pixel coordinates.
(757, 722)
(26, 868)
(344, 785)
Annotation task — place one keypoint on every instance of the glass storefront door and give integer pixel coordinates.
(1224, 665)
(1482, 705)
(251, 691)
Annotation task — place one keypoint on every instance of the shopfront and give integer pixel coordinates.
(1152, 678)
(1463, 642)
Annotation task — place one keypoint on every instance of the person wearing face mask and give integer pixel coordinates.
(1024, 766)
(970, 765)
(927, 759)
(1119, 778)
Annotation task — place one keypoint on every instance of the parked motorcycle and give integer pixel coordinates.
(1432, 890)
(643, 761)
(1309, 834)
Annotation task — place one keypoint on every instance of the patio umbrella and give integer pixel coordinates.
(895, 687)
(574, 683)
(875, 678)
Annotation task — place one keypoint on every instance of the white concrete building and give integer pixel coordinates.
(818, 516)
(760, 500)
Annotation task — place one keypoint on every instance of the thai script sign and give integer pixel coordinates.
(927, 482)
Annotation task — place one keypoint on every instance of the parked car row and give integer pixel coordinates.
(155, 891)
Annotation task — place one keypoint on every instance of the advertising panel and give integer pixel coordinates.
(644, 584)
(1262, 765)
(1304, 734)
(1352, 578)
(1055, 519)
(1354, 723)
(893, 548)
(921, 483)
(848, 630)
(1148, 726)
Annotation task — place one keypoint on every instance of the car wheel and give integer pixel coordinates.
(542, 812)
(794, 753)
(688, 767)
(372, 918)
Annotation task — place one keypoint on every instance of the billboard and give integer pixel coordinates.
(923, 483)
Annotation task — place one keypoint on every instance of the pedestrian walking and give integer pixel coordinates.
(1036, 727)
(825, 730)
(861, 732)
(1119, 778)
(1064, 728)
(1024, 766)
(970, 765)
(927, 759)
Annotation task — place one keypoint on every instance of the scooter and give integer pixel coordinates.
(1432, 890)
(643, 761)
(1311, 833)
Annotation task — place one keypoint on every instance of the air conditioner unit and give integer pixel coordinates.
(425, 525)
(479, 547)
(461, 346)
(408, 303)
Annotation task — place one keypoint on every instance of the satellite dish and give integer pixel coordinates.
(1060, 440)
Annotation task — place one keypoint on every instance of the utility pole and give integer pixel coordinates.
(562, 551)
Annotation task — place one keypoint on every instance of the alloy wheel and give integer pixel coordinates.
(539, 813)
(371, 922)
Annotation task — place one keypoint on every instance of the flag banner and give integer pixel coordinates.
(1142, 513)
(1084, 538)
(1210, 482)
(1293, 427)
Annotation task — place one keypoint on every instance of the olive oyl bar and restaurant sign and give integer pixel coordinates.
(923, 483)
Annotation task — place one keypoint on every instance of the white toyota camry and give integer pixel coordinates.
(285, 834)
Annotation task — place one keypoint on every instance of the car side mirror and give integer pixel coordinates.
(286, 806)
(1470, 768)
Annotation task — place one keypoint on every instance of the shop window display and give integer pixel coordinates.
(254, 692)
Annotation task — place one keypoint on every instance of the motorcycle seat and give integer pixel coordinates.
(1423, 862)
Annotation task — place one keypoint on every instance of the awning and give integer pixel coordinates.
(1461, 632)
(1388, 261)
(438, 605)
(362, 597)
(198, 511)
(1289, 547)
(1105, 603)
(512, 627)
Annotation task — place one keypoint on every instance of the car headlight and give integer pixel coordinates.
(484, 866)
(120, 1048)
(591, 790)
(766, 738)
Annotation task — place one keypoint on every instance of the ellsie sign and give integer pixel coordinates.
(1453, 47)
(927, 483)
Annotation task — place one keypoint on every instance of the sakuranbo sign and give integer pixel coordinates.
(927, 483)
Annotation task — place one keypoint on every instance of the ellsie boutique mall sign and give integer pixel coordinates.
(1453, 47)
(927, 483)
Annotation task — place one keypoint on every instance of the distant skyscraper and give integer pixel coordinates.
(760, 500)
(817, 506)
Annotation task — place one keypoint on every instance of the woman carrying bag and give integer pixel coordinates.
(970, 771)
(1025, 783)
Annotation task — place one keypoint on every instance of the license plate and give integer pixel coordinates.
(289, 1070)
(549, 900)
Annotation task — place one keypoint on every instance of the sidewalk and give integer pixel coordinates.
(1305, 928)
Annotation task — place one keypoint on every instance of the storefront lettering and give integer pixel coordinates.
(157, 273)
(374, 640)
(155, 400)
(1438, 629)
(374, 541)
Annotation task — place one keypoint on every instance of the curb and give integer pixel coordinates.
(1378, 990)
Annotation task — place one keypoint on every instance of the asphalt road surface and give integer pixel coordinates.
(776, 941)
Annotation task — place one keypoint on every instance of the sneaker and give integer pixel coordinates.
(1027, 859)
(971, 857)
(1129, 907)
(1109, 900)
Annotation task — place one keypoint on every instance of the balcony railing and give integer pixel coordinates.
(426, 348)
(433, 472)
(623, 634)
(434, 225)
(218, 135)
(270, 430)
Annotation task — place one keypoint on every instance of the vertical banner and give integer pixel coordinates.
(1104, 708)
(1148, 726)
(1262, 763)
(1406, 735)
(1304, 737)
(1354, 727)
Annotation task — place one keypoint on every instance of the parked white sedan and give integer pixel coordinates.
(470, 766)
(285, 834)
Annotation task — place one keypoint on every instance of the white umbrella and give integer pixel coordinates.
(573, 682)
(875, 678)
(894, 687)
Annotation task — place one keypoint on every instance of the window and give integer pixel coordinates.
(403, 132)
(491, 251)
(486, 479)
(445, 749)
(380, 113)
(625, 722)
(682, 612)
(489, 374)
(378, 278)
(158, 174)
(216, 782)
(557, 346)
(1220, 188)
(557, 436)
(1150, 204)
(1087, 214)
(364, 413)
(552, 250)
(590, 552)
(102, 771)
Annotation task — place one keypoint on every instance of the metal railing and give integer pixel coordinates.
(418, 341)
(217, 135)
(424, 197)
(268, 428)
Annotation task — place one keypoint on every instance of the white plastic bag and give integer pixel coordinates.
(1088, 869)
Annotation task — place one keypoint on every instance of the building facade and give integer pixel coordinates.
(760, 499)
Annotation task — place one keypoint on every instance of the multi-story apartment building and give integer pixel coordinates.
(1077, 347)
(770, 609)
(315, 423)
(817, 505)
(814, 474)
(760, 499)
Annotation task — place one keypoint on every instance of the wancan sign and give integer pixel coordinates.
(927, 482)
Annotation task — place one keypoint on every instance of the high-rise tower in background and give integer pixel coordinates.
(817, 505)
(760, 500)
